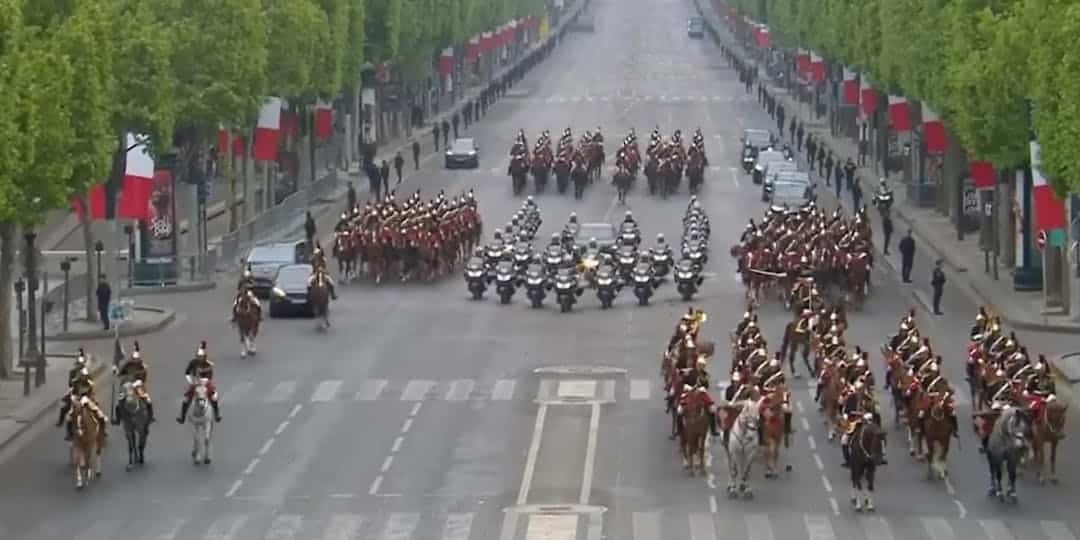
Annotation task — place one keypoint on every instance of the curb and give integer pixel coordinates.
(151, 290)
(47, 405)
(167, 317)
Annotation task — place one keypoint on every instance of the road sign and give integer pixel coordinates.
(1040, 240)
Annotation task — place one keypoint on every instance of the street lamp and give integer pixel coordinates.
(99, 248)
(31, 357)
(130, 232)
(65, 267)
(20, 286)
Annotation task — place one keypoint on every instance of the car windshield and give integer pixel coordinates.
(294, 274)
(272, 254)
(757, 137)
(462, 146)
(789, 190)
(765, 159)
(599, 231)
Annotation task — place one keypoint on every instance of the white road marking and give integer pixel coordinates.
(281, 428)
(457, 526)
(415, 409)
(401, 526)
(235, 487)
(225, 527)
(960, 509)
(251, 467)
(646, 525)
(714, 507)
(387, 463)
(370, 389)
(102, 529)
(876, 528)
(282, 392)
(825, 482)
(343, 527)
(818, 527)
(326, 391)
(799, 406)
(266, 446)
(375, 485)
(995, 529)
(805, 424)
(949, 488)
(534, 452)
(295, 411)
(758, 527)
(639, 388)
(284, 527)
(552, 527)
(835, 506)
(504, 390)
(938, 529)
(460, 390)
(1056, 530)
(164, 528)
(811, 442)
(397, 444)
(702, 526)
(818, 462)
(590, 455)
(734, 176)
(416, 390)
(407, 426)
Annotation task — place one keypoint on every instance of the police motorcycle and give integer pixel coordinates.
(883, 199)
(687, 279)
(555, 256)
(748, 159)
(589, 261)
(496, 251)
(629, 235)
(505, 278)
(523, 256)
(476, 274)
(661, 257)
(567, 289)
(644, 280)
(536, 282)
(626, 257)
(529, 216)
(608, 284)
(696, 251)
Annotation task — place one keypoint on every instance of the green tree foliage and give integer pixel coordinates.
(297, 29)
(332, 49)
(354, 53)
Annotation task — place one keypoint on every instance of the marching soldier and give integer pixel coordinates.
(199, 368)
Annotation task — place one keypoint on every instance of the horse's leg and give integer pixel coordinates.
(77, 459)
(209, 442)
(1053, 461)
(994, 465)
(855, 470)
(243, 342)
(868, 503)
(129, 434)
(1011, 462)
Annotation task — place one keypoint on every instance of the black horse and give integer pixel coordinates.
(580, 176)
(866, 450)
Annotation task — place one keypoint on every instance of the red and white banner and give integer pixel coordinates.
(982, 174)
(1049, 209)
(934, 136)
(446, 61)
(851, 87)
(267, 130)
(324, 120)
(472, 49)
(802, 63)
(486, 42)
(138, 180)
(899, 113)
(868, 97)
(762, 37)
(817, 68)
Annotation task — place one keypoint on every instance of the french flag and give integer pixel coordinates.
(268, 130)
(1049, 209)
(138, 180)
(324, 120)
(899, 113)
(868, 97)
(851, 87)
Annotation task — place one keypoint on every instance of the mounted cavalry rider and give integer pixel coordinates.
(318, 267)
(598, 137)
(80, 385)
(197, 369)
(858, 407)
(246, 291)
(699, 393)
(247, 280)
(342, 223)
(735, 392)
(135, 372)
(777, 382)
(937, 387)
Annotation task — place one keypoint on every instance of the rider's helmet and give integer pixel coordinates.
(660, 240)
(80, 359)
(629, 216)
(573, 217)
(344, 215)
(497, 235)
(135, 354)
(529, 201)
(554, 239)
(513, 222)
(592, 243)
(201, 352)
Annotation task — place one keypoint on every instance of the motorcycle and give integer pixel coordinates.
(661, 263)
(629, 235)
(696, 252)
(494, 253)
(626, 258)
(522, 255)
(567, 289)
(607, 286)
(505, 283)
(748, 159)
(643, 283)
(475, 277)
(535, 284)
(554, 258)
(687, 279)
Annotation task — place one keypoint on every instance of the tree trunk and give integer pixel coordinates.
(312, 146)
(7, 273)
(91, 261)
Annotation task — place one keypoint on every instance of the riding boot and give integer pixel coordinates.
(712, 425)
(183, 411)
(217, 411)
(817, 393)
(69, 431)
(787, 429)
(760, 434)
(64, 410)
(150, 410)
(847, 455)
(955, 426)
(333, 293)
(725, 435)
(116, 412)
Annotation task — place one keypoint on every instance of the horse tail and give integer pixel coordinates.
(786, 341)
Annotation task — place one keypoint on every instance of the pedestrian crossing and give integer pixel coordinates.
(646, 98)
(728, 524)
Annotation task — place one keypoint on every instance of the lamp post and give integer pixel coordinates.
(30, 359)
(20, 286)
(65, 267)
(130, 232)
(99, 248)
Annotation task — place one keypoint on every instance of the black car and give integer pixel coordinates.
(265, 260)
(463, 153)
(289, 294)
(757, 140)
(604, 233)
(695, 27)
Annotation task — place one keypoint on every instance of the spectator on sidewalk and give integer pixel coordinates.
(937, 282)
(416, 154)
(466, 115)
(839, 171)
(886, 231)
(828, 168)
(791, 131)
(836, 190)
(384, 174)
(849, 172)
(104, 296)
(799, 133)
(907, 256)
(446, 133)
(309, 228)
(455, 120)
(374, 182)
(350, 196)
(780, 115)
(821, 152)
(811, 151)
(856, 195)
(435, 135)
(399, 163)
(864, 150)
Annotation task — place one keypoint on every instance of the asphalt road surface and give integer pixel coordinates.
(424, 415)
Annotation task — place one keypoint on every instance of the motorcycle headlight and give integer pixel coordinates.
(685, 275)
(758, 168)
(563, 285)
(504, 277)
(641, 279)
(475, 273)
(535, 281)
(604, 281)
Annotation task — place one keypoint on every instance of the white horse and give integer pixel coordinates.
(202, 424)
(742, 448)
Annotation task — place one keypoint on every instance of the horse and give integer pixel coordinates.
(540, 170)
(1004, 449)
(693, 434)
(88, 443)
(773, 432)
(319, 299)
(1048, 428)
(742, 447)
(135, 415)
(248, 315)
(695, 172)
(858, 276)
(936, 434)
(345, 252)
(202, 425)
(562, 175)
(795, 341)
(518, 171)
(866, 450)
(622, 181)
(580, 175)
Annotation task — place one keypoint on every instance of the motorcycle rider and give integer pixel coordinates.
(662, 247)
(80, 385)
(199, 368)
(883, 197)
(629, 218)
(134, 371)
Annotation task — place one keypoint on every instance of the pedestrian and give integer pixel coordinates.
(811, 149)
(104, 296)
(864, 150)
(849, 172)
(399, 163)
(799, 133)
(416, 154)
(446, 133)
(791, 131)
(937, 281)
(907, 256)
(828, 168)
(374, 182)
(466, 117)
(856, 195)
(886, 231)
(780, 115)
(455, 120)
(821, 158)
(384, 174)
(309, 227)
(836, 190)
(435, 135)
(350, 196)
(839, 176)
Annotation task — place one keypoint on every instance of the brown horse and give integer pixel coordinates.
(88, 443)
(345, 252)
(858, 279)
(772, 428)
(1048, 428)
(797, 339)
(830, 394)
(936, 434)
(693, 433)
(319, 299)
(247, 314)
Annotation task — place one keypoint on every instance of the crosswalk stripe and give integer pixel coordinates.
(225, 527)
(938, 529)
(702, 526)
(639, 388)
(416, 390)
(401, 526)
(238, 392)
(105, 529)
(818, 527)
(460, 390)
(758, 527)
(284, 527)
(876, 528)
(995, 529)
(504, 390)
(164, 528)
(646, 526)
(326, 391)
(552, 527)
(282, 392)
(343, 527)
(1056, 530)
(370, 389)
(458, 526)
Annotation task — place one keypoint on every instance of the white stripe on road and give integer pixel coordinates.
(646, 526)
(876, 528)
(995, 529)
(416, 390)
(225, 527)
(326, 391)
(370, 389)
(639, 388)
(460, 390)
(344, 527)
(552, 527)
(284, 527)
(818, 527)
(938, 529)
(504, 390)
(758, 527)
(282, 392)
(1056, 530)
(702, 526)
(401, 526)
(457, 526)
(105, 529)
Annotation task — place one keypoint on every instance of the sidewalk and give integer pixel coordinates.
(18, 414)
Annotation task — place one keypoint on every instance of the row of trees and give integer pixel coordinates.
(992, 69)
(77, 75)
